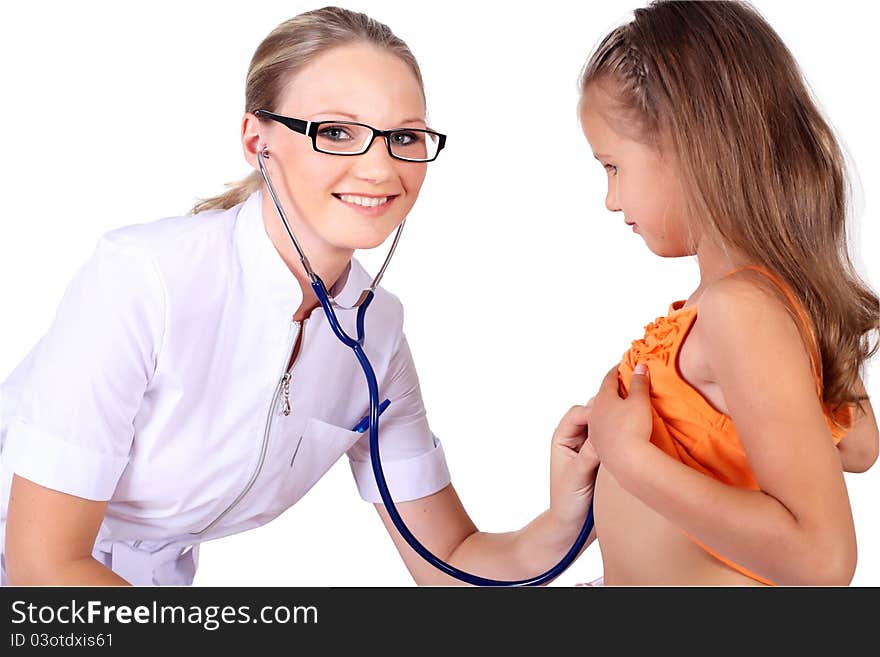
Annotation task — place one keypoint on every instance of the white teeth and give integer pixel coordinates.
(365, 201)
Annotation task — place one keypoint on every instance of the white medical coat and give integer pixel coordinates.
(157, 387)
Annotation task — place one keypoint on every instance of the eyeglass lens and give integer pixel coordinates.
(353, 138)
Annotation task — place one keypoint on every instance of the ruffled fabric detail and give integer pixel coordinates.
(657, 345)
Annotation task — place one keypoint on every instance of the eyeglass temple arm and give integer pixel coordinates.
(294, 124)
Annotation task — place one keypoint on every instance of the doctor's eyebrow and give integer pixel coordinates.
(357, 119)
(335, 113)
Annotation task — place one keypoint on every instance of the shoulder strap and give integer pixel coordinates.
(806, 325)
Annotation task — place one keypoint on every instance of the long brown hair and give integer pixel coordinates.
(763, 169)
(288, 49)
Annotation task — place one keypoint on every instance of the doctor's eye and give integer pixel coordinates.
(336, 133)
(407, 138)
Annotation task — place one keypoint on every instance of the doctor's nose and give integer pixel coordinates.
(376, 164)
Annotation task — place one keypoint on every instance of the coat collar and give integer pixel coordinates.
(266, 273)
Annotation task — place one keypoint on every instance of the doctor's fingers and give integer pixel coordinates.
(588, 457)
(573, 424)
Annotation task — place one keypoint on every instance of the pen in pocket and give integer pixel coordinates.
(364, 424)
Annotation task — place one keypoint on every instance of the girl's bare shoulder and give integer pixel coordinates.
(746, 316)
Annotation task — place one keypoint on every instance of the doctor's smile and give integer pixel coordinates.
(365, 204)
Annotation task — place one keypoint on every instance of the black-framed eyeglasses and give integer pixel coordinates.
(351, 138)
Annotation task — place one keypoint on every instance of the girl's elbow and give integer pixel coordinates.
(831, 566)
(859, 461)
(836, 573)
(873, 452)
(865, 460)
(870, 451)
(869, 461)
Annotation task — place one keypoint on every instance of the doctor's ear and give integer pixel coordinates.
(250, 138)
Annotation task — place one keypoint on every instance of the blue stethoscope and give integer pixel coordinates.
(357, 346)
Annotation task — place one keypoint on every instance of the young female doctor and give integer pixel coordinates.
(190, 386)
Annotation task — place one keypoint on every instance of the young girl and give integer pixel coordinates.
(717, 431)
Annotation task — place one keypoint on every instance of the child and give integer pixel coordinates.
(717, 432)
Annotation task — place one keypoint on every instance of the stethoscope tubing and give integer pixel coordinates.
(382, 484)
(357, 346)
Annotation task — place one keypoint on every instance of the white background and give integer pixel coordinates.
(521, 291)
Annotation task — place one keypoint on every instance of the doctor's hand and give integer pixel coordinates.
(620, 427)
(573, 465)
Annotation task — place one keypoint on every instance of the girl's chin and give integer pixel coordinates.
(669, 253)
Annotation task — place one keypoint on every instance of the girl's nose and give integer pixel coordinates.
(611, 200)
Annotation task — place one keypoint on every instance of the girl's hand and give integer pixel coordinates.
(619, 427)
(573, 465)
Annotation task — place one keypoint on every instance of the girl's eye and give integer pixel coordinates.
(610, 168)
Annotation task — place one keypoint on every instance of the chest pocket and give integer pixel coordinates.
(313, 454)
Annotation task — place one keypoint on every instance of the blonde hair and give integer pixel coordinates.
(288, 49)
(762, 167)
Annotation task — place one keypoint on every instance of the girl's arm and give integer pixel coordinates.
(442, 525)
(798, 528)
(50, 536)
(858, 448)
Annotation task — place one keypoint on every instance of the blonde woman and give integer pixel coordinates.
(190, 388)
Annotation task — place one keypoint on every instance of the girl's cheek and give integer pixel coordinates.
(621, 194)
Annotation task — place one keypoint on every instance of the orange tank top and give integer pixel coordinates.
(685, 425)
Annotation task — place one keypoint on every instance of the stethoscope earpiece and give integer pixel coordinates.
(265, 152)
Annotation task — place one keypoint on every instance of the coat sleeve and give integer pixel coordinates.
(412, 457)
(67, 419)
